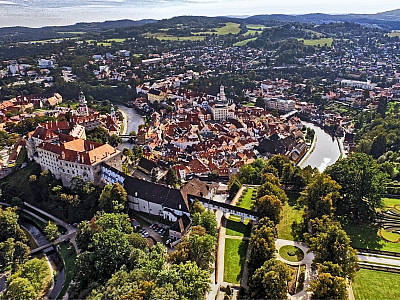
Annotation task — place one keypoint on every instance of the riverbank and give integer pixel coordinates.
(309, 152)
(324, 150)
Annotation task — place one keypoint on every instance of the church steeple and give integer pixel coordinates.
(83, 109)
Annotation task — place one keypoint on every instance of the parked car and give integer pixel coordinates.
(159, 229)
(167, 242)
(151, 226)
(154, 227)
(146, 234)
(163, 232)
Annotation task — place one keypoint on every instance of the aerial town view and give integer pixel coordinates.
(214, 150)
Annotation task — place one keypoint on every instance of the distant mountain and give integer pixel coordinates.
(16, 34)
(389, 20)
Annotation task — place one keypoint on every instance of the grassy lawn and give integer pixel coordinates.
(116, 40)
(234, 259)
(371, 284)
(229, 27)
(243, 43)
(247, 199)
(290, 213)
(250, 104)
(321, 42)
(21, 157)
(255, 27)
(166, 37)
(236, 228)
(68, 253)
(367, 236)
(291, 253)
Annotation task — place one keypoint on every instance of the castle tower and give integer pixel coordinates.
(112, 113)
(222, 97)
(83, 109)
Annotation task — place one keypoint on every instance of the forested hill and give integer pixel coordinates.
(184, 25)
(18, 34)
(389, 20)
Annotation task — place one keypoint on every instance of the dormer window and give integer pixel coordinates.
(63, 155)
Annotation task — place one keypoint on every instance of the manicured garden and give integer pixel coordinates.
(291, 253)
(234, 259)
(371, 284)
(236, 228)
(371, 236)
(247, 198)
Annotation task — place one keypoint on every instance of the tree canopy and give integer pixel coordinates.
(362, 186)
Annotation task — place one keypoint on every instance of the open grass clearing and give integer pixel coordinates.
(393, 34)
(291, 253)
(235, 228)
(372, 284)
(243, 43)
(116, 40)
(255, 27)
(234, 259)
(316, 42)
(291, 212)
(229, 27)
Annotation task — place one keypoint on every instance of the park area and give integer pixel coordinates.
(371, 284)
(291, 212)
(234, 259)
(381, 236)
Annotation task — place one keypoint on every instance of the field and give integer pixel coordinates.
(394, 33)
(317, 42)
(166, 37)
(290, 213)
(367, 236)
(244, 43)
(234, 259)
(236, 228)
(371, 284)
(229, 27)
(255, 27)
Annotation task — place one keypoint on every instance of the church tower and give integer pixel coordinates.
(112, 113)
(83, 109)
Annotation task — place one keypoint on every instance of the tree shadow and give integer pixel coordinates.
(242, 251)
(363, 236)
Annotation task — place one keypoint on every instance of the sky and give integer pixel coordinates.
(38, 13)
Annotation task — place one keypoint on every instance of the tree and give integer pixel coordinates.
(171, 178)
(207, 220)
(51, 231)
(269, 188)
(327, 286)
(154, 175)
(192, 281)
(378, 146)
(260, 102)
(115, 140)
(269, 206)
(278, 162)
(321, 196)
(9, 226)
(330, 243)
(362, 186)
(270, 281)
(113, 198)
(137, 152)
(20, 288)
(196, 207)
(262, 247)
(234, 187)
(382, 106)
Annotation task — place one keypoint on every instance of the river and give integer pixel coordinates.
(326, 150)
(134, 120)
